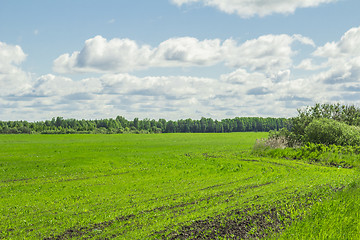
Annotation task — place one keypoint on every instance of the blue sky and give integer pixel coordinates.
(176, 58)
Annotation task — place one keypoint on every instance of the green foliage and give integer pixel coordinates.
(60, 125)
(330, 155)
(328, 131)
(289, 137)
(340, 113)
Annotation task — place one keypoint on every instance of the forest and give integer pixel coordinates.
(59, 125)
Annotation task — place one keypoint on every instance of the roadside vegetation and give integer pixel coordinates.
(326, 134)
(322, 135)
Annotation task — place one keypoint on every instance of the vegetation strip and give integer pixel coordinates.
(59, 125)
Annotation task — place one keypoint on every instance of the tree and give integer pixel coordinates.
(341, 113)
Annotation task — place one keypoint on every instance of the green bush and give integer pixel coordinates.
(328, 131)
(340, 113)
(287, 138)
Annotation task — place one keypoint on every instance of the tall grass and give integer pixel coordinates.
(329, 155)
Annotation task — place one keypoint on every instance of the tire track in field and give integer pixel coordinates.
(87, 230)
(241, 223)
(82, 231)
(61, 179)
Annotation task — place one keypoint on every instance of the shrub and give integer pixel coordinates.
(340, 113)
(328, 131)
(271, 142)
(277, 140)
(282, 139)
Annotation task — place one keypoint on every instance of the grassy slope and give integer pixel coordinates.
(131, 186)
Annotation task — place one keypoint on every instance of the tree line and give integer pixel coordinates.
(59, 125)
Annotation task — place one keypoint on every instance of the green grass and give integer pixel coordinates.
(334, 218)
(332, 155)
(144, 186)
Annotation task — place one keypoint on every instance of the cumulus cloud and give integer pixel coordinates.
(337, 76)
(348, 46)
(169, 87)
(342, 58)
(246, 8)
(12, 78)
(125, 55)
(188, 51)
(52, 85)
(262, 80)
(280, 93)
(308, 64)
(239, 93)
(269, 52)
(100, 55)
(10, 54)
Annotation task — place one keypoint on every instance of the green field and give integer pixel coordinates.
(152, 186)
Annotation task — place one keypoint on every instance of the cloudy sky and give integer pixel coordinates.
(176, 59)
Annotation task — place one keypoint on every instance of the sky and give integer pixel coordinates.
(176, 59)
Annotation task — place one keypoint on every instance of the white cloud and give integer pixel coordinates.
(52, 85)
(281, 76)
(188, 51)
(303, 40)
(266, 53)
(10, 54)
(348, 46)
(171, 87)
(125, 55)
(262, 80)
(239, 93)
(241, 76)
(249, 8)
(269, 53)
(307, 64)
(342, 59)
(12, 79)
(100, 55)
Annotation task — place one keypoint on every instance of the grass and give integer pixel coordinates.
(149, 186)
(334, 218)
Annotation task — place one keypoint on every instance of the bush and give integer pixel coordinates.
(270, 143)
(340, 113)
(282, 139)
(328, 131)
(277, 140)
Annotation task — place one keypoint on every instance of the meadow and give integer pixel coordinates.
(154, 186)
